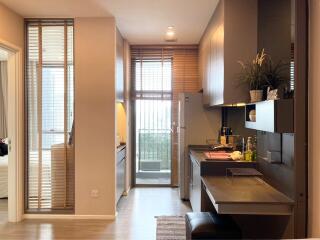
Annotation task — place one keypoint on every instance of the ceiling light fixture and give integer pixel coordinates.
(170, 34)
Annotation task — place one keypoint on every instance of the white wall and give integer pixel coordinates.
(95, 115)
(314, 121)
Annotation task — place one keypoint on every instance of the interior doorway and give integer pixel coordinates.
(4, 141)
(11, 131)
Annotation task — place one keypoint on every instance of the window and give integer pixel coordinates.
(159, 74)
(50, 115)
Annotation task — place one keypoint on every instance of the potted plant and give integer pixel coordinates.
(275, 78)
(253, 74)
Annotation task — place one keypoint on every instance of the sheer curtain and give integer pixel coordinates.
(3, 98)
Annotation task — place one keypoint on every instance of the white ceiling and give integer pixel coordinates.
(139, 21)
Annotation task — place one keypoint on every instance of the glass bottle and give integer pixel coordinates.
(248, 152)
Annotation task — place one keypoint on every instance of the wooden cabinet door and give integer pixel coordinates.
(216, 84)
(119, 68)
(205, 72)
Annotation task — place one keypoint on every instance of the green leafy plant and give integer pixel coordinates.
(253, 73)
(262, 72)
(275, 73)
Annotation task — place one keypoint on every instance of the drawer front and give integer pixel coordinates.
(121, 167)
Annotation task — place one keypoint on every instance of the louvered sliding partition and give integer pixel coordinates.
(50, 112)
(159, 74)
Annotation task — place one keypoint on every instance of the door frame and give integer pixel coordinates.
(134, 148)
(15, 131)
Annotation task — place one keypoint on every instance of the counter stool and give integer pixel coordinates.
(208, 225)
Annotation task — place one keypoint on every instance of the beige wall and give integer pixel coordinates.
(11, 27)
(128, 105)
(95, 115)
(314, 121)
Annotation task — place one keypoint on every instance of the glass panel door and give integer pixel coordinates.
(152, 74)
(153, 141)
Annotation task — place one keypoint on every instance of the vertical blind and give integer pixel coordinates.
(50, 108)
(183, 62)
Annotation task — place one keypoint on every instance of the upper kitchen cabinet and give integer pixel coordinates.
(119, 67)
(231, 36)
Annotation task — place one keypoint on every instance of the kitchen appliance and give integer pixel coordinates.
(195, 125)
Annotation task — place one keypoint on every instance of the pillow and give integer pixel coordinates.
(3, 149)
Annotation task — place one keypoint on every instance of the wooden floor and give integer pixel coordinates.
(135, 220)
(3, 211)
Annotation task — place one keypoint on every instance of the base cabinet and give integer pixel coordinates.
(120, 175)
(195, 185)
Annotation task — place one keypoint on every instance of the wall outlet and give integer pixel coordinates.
(94, 193)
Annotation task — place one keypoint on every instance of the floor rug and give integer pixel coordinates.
(171, 228)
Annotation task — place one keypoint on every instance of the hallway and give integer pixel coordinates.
(135, 220)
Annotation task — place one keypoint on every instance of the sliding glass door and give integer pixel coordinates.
(50, 112)
(153, 110)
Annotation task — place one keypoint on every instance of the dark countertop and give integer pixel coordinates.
(246, 195)
(200, 157)
(212, 167)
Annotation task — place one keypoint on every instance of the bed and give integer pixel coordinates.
(4, 177)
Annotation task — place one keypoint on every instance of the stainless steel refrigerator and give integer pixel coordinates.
(195, 125)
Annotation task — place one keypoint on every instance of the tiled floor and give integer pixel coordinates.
(135, 220)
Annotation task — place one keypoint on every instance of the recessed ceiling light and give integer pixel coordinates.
(170, 34)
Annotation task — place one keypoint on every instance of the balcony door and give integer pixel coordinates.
(153, 118)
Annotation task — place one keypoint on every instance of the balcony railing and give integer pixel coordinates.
(154, 149)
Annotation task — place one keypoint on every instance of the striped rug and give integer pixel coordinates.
(171, 228)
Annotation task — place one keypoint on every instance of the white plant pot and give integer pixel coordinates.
(256, 95)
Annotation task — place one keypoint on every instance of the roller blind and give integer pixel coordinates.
(50, 118)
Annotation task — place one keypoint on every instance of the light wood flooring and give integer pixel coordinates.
(135, 220)
(3, 210)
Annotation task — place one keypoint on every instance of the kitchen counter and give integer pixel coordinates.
(200, 167)
(246, 195)
(215, 167)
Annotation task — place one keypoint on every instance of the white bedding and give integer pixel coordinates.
(4, 177)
